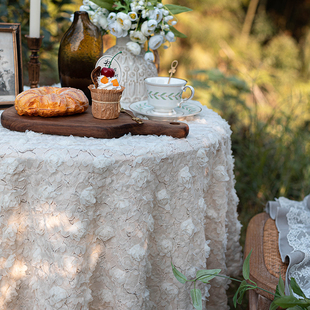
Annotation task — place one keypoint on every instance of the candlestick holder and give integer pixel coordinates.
(34, 45)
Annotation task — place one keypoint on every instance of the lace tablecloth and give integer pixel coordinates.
(293, 223)
(94, 223)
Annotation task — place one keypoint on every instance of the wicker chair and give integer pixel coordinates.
(265, 262)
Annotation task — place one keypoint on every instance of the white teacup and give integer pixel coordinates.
(165, 97)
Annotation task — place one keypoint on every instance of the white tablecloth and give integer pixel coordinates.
(94, 223)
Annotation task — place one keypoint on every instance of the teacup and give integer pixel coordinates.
(166, 97)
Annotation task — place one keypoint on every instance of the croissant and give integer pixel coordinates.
(50, 101)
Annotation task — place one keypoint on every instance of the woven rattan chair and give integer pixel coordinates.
(265, 263)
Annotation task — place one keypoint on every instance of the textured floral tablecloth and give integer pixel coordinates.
(94, 223)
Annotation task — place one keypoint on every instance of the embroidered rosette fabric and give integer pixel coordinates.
(94, 223)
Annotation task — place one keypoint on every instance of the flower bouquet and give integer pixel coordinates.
(148, 23)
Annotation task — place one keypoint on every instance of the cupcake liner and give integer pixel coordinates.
(106, 103)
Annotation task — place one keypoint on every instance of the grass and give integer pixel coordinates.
(270, 145)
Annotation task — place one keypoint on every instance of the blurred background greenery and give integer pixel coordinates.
(249, 61)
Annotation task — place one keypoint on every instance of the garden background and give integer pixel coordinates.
(249, 60)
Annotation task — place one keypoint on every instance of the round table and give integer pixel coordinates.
(91, 223)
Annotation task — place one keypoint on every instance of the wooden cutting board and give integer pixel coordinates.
(85, 125)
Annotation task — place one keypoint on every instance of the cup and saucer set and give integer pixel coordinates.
(164, 100)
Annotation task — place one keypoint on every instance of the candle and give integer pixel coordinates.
(35, 16)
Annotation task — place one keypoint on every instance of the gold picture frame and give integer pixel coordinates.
(11, 69)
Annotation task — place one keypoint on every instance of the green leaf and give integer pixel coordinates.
(246, 267)
(280, 289)
(244, 286)
(239, 84)
(296, 288)
(179, 276)
(215, 75)
(201, 84)
(176, 9)
(106, 4)
(196, 298)
(206, 275)
(199, 71)
(273, 306)
(177, 33)
(291, 301)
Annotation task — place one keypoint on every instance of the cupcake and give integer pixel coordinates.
(106, 93)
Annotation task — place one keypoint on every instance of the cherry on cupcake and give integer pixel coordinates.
(109, 72)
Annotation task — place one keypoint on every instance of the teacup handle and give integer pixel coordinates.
(191, 95)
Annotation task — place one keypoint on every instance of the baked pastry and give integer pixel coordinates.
(51, 101)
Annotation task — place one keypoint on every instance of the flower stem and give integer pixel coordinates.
(233, 279)
(113, 58)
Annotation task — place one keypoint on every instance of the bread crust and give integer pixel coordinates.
(51, 101)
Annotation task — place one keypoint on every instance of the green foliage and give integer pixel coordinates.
(106, 4)
(179, 276)
(176, 9)
(270, 144)
(196, 298)
(280, 299)
(282, 53)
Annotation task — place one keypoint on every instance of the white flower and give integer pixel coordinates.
(103, 22)
(111, 17)
(117, 30)
(156, 41)
(84, 8)
(91, 13)
(134, 48)
(174, 22)
(170, 36)
(156, 14)
(93, 5)
(165, 12)
(149, 56)
(127, 25)
(146, 30)
(167, 18)
(133, 16)
(123, 20)
(137, 36)
(152, 24)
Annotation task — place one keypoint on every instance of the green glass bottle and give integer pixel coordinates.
(79, 50)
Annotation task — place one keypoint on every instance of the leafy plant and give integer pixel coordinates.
(269, 142)
(280, 299)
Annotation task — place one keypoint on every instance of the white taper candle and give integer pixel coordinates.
(35, 16)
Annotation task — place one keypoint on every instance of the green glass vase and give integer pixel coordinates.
(79, 50)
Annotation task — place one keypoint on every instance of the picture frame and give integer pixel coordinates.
(11, 68)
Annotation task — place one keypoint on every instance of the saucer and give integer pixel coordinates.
(188, 108)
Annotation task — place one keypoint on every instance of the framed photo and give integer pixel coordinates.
(11, 75)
